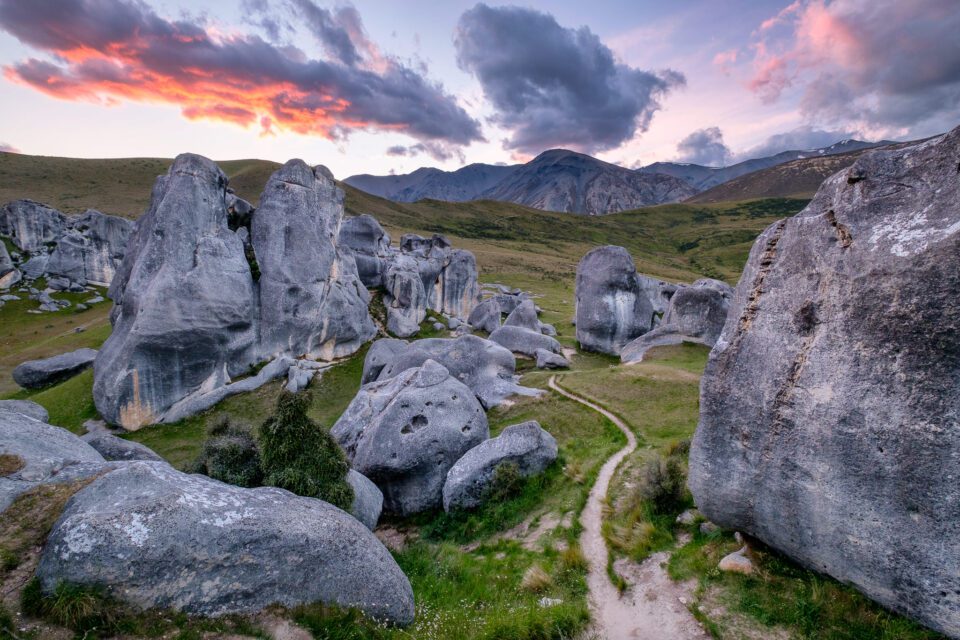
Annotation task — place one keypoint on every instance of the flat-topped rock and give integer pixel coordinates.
(36, 374)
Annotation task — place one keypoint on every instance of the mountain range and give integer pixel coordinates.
(567, 181)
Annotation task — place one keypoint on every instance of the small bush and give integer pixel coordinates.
(507, 482)
(572, 558)
(664, 485)
(230, 454)
(299, 455)
(536, 579)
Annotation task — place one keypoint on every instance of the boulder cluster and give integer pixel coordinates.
(157, 538)
(421, 413)
(830, 405)
(623, 313)
(71, 252)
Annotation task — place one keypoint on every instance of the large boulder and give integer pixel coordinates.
(91, 249)
(367, 499)
(484, 366)
(30, 225)
(370, 245)
(404, 296)
(829, 406)
(526, 445)
(157, 538)
(459, 289)
(184, 299)
(405, 433)
(36, 374)
(311, 299)
(612, 309)
(46, 454)
(9, 275)
(28, 408)
(695, 314)
(524, 341)
(524, 315)
(486, 315)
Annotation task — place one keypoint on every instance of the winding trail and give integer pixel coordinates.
(652, 608)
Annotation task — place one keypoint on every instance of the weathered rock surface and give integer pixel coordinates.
(311, 299)
(185, 308)
(405, 432)
(404, 296)
(612, 309)
(550, 360)
(524, 316)
(30, 225)
(829, 406)
(695, 314)
(9, 275)
(459, 289)
(28, 408)
(484, 366)
(158, 538)
(526, 445)
(47, 453)
(524, 341)
(117, 449)
(367, 499)
(370, 245)
(35, 374)
(486, 315)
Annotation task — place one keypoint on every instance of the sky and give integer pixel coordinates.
(381, 86)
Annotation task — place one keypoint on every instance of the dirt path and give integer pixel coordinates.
(653, 608)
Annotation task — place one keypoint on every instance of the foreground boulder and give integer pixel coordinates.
(405, 433)
(829, 405)
(36, 374)
(612, 309)
(117, 449)
(488, 369)
(367, 499)
(694, 314)
(526, 445)
(154, 537)
(28, 408)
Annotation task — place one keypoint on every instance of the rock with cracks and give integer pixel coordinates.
(829, 406)
(526, 445)
(157, 538)
(405, 432)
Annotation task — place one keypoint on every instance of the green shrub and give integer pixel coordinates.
(230, 454)
(299, 455)
(664, 485)
(82, 609)
(507, 482)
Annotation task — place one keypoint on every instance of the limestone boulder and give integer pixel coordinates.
(612, 309)
(370, 245)
(524, 316)
(367, 499)
(30, 225)
(117, 449)
(36, 374)
(28, 408)
(526, 445)
(405, 432)
(829, 405)
(156, 538)
(524, 341)
(404, 296)
(486, 316)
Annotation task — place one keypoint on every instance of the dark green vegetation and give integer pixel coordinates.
(230, 454)
(300, 456)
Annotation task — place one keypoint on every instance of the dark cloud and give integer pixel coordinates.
(799, 139)
(886, 66)
(436, 150)
(8, 148)
(555, 87)
(704, 146)
(114, 50)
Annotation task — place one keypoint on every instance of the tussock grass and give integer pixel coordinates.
(536, 579)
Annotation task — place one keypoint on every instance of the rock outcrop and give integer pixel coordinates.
(695, 314)
(829, 405)
(404, 296)
(30, 225)
(405, 432)
(370, 245)
(9, 274)
(484, 366)
(524, 341)
(486, 316)
(36, 374)
(28, 408)
(526, 445)
(612, 309)
(157, 538)
(117, 449)
(367, 499)
(188, 313)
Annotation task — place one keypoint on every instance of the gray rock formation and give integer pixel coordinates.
(30, 225)
(154, 537)
(9, 275)
(117, 449)
(524, 341)
(367, 499)
(695, 314)
(829, 405)
(48, 454)
(35, 374)
(311, 299)
(612, 309)
(524, 316)
(405, 432)
(404, 296)
(459, 289)
(485, 367)
(486, 315)
(526, 445)
(185, 306)
(370, 245)
(91, 249)
(550, 360)
(28, 408)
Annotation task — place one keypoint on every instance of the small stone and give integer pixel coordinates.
(737, 562)
(688, 517)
